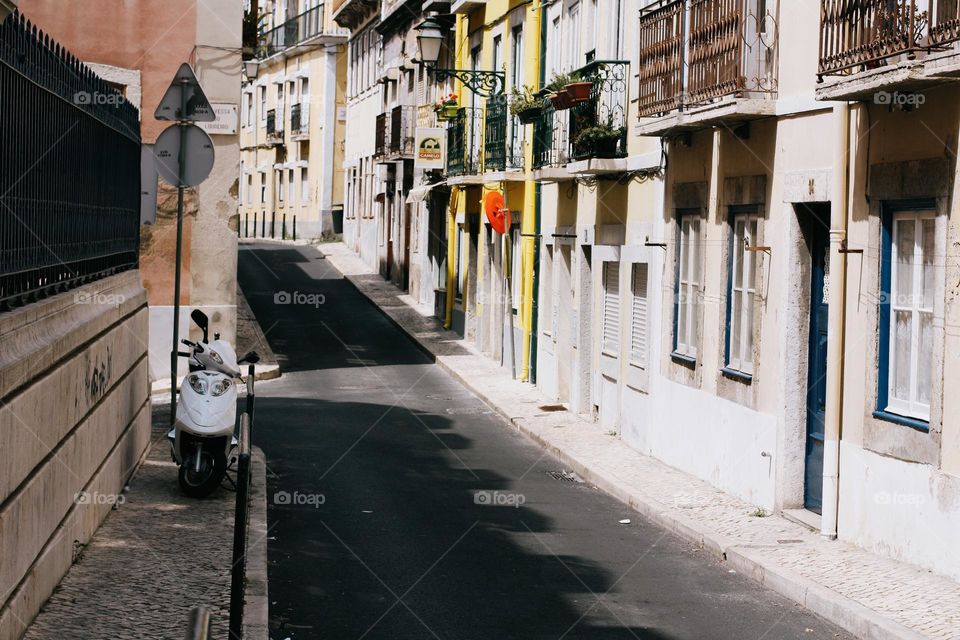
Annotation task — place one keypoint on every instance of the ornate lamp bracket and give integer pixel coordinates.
(487, 84)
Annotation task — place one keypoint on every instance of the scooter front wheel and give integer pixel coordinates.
(201, 483)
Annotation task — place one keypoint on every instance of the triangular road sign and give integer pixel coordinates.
(185, 86)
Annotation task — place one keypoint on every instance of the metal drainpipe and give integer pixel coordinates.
(836, 326)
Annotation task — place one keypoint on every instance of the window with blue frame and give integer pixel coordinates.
(907, 282)
(687, 281)
(741, 290)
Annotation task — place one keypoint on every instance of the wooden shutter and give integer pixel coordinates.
(611, 307)
(638, 328)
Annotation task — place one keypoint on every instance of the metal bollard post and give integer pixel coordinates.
(199, 626)
(238, 573)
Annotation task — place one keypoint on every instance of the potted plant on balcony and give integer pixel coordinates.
(447, 108)
(525, 106)
(598, 141)
(558, 91)
(579, 90)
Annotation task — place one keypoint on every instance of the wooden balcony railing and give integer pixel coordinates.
(661, 58)
(856, 35)
(402, 127)
(695, 51)
(380, 136)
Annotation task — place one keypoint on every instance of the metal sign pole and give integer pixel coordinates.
(183, 124)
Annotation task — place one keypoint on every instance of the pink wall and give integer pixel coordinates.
(154, 36)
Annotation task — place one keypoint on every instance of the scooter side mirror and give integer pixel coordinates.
(251, 357)
(202, 321)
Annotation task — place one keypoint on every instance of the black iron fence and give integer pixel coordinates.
(464, 142)
(69, 170)
(551, 146)
(502, 138)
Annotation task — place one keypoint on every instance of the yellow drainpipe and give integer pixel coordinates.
(451, 256)
(528, 227)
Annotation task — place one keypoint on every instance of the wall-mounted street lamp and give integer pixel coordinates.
(250, 68)
(430, 36)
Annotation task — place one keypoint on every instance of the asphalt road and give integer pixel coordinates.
(377, 529)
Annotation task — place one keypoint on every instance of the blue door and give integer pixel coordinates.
(819, 238)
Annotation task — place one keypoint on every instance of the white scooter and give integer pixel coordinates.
(202, 436)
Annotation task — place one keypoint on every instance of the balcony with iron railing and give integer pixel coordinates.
(309, 25)
(502, 138)
(299, 121)
(394, 133)
(274, 133)
(870, 45)
(464, 143)
(551, 144)
(591, 135)
(705, 63)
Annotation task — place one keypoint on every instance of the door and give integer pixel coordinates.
(819, 240)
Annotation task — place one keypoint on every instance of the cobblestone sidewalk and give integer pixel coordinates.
(871, 596)
(155, 557)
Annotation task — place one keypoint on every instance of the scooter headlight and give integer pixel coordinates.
(216, 357)
(198, 384)
(220, 387)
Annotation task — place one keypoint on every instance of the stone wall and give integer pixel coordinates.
(74, 424)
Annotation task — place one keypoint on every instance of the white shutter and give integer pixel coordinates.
(611, 307)
(638, 328)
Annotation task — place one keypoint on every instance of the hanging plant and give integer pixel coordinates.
(526, 106)
(579, 91)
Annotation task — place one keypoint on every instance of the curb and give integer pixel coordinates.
(256, 615)
(836, 608)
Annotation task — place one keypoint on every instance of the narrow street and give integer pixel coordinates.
(375, 458)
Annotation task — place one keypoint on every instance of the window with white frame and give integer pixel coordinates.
(554, 41)
(263, 103)
(610, 334)
(263, 187)
(687, 287)
(247, 109)
(280, 189)
(516, 56)
(639, 316)
(291, 187)
(249, 188)
(910, 253)
(573, 36)
(741, 291)
(304, 186)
